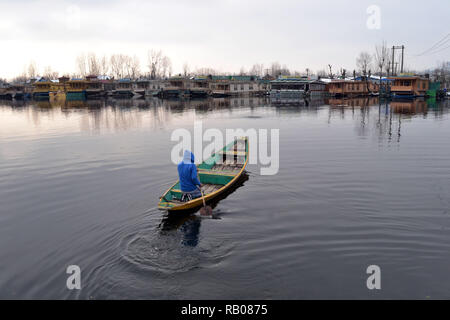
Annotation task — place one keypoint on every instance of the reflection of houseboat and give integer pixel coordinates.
(412, 86)
(409, 106)
(344, 88)
(124, 88)
(288, 88)
(353, 102)
(76, 89)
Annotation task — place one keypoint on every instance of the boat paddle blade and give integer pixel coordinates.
(206, 211)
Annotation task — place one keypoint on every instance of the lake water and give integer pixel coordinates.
(360, 183)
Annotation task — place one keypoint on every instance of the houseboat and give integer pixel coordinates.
(141, 86)
(58, 90)
(263, 86)
(199, 87)
(76, 89)
(94, 87)
(316, 88)
(288, 88)
(155, 87)
(409, 86)
(5, 92)
(244, 86)
(350, 88)
(219, 86)
(176, 87)
(124, 89)
(41, 89)
(108, 84)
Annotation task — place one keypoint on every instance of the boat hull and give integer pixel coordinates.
(205, 175)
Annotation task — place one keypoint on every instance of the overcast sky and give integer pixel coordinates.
(223, 34)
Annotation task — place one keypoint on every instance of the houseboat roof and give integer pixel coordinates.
(244, 78)
(407, 77)
(290, 79)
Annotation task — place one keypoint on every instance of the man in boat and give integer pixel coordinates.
(189, 183)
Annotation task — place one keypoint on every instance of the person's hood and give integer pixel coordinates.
(188, 157)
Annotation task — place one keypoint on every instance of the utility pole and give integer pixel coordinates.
(403, 54)
(393, 57)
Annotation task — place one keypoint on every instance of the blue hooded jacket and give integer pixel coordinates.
(187, 171)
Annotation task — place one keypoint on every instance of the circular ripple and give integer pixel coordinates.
(172, 251)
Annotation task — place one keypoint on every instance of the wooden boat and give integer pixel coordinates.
(217, 174)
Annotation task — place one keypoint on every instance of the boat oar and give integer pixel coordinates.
(205, 210)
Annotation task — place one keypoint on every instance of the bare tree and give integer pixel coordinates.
(104, 66)
(275, 69)
(117, 63)
(322, 73)
(363, 62)
(381, 56)
(154, 63)
(32, 70)
(330, 74)
(50, 74)
(185, 69)
(93, 64)
(166, 67)
(308, 71)
(81, 65)
(132, 66)
(257, 70)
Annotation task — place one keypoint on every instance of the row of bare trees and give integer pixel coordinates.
(124, 66)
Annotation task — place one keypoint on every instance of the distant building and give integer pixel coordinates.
(409, 85)
(351, 88)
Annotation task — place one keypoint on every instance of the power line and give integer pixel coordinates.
(441, 42)
(439, 50)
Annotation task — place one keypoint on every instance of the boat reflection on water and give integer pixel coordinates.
(189, 223)
(409, 106)
(353, 102)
